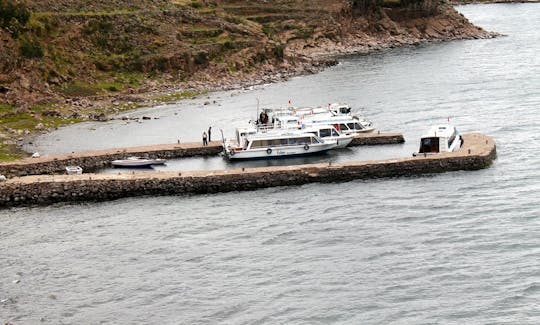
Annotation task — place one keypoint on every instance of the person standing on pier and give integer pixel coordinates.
(209, 134)
(204, 139)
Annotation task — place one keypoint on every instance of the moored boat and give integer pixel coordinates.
(251, 143)
(439, 139)
(329, 133)
(338, 115)
(137, 162)
(74, 170)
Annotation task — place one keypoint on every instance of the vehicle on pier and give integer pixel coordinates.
(253, 143)
(439, 139)
(135, 162)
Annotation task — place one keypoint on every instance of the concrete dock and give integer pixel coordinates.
(93, 160)
(478, 151)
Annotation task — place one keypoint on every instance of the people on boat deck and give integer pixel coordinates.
(204, 139)
(209, 134)
(263, 118)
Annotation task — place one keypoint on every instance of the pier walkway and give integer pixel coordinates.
(478, 151)
(93, 160)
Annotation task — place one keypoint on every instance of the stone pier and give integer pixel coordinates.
(93, 160)
(478, 151)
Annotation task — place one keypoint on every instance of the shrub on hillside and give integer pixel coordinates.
(30, 49)
(13, 13)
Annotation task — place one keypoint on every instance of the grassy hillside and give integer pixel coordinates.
(62, 61)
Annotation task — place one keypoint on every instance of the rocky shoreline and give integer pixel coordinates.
(356, 34)
(467, 2)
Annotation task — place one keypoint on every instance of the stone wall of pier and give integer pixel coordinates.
(477, 152)
(94, 160)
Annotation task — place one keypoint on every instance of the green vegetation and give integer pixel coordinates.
(27, 121)
(61, 51)
(30, 49)
(13, 15)
(6, 109)
(9, 153)
(80, 89)
(174, 97)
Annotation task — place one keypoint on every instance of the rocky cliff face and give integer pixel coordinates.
(72, 60)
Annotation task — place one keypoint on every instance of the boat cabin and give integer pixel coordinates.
(344, 125)
(324, 131)
(284, 140)
(440, 138)
(340, 109)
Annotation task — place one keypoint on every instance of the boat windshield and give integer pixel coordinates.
(429, 145)
(325, 133)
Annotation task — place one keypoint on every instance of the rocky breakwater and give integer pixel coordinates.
(376, 138)
(478, 151)
(93, 160)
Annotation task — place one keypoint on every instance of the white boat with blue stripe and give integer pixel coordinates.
(253, 143)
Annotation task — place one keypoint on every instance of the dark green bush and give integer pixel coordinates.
(31, 49)
(196, 4)
(279, 51)
(12, 12)
(201, 58)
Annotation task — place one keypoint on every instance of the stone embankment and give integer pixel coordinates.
(478, 151)
(94, 160)
(377, 138)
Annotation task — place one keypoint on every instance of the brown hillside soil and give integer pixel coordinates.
(76, 61)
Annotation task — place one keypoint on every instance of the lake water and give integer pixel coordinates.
(460, 247)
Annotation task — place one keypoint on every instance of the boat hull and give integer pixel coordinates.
(138, 163)
(280, 152)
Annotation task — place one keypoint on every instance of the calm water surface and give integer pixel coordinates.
(461, 247)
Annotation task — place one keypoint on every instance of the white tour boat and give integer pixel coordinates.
(440, 138)
(343, 123)
(337, 115)
(329, 133)
(137, 162)
(252, 143)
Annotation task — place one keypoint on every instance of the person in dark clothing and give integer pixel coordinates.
(210, 134)
(204, 139)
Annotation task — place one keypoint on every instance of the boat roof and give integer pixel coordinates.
(441, 130)
(329, 118)
(280, 135)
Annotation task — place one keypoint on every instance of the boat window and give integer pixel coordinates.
(343, 127)
(299, 141)
(335, 133)
(357, 126)
(325, 133)
(273, 143)
(345, 110)
(256, 144)
(283, 142)
(451, 139)
(429, 145)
